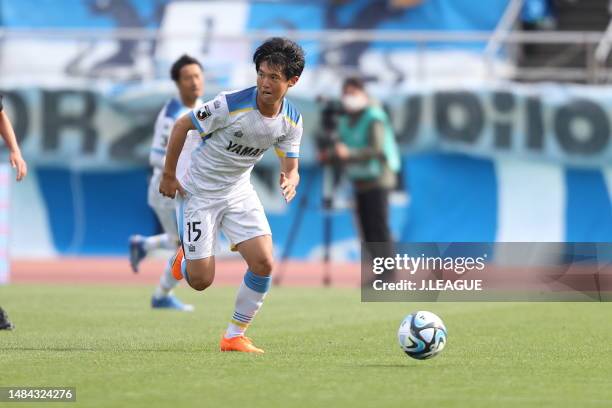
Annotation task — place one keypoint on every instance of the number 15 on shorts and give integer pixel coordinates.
(194, 231)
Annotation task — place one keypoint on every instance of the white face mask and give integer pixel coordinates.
(354, 103)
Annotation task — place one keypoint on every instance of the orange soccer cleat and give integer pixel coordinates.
(239, 343)
(175, 264)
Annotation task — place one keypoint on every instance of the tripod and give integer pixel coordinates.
(331, 177)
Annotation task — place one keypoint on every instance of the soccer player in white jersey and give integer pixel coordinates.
(188, 76)
(16, 160)
(8, 134)
(216, 193)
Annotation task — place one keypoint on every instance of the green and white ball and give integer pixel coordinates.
(422, 335)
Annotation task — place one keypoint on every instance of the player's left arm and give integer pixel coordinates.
(288, 151)
(289, 177)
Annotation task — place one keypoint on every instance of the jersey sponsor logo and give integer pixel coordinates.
(238, 133)
(217, 104)
(242, 150)
(204, 112)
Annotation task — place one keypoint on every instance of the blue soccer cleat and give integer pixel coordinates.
(170, 302)
(137, 251)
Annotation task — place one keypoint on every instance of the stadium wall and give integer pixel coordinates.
(486, 163)
(482, 161)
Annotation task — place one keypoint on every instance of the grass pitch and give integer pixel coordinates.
(323, 348)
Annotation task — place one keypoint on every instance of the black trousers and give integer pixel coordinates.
(373, 214)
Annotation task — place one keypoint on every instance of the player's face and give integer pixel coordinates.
(191, 82)
(272, 84)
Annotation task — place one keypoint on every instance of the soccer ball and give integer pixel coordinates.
(422, 335)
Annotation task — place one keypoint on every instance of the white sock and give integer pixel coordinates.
(166, 283)
(249, 299)
(157, 242)
(170, 243)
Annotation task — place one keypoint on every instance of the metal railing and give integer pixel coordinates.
(502, 31)
(489, 44)
(602, 52)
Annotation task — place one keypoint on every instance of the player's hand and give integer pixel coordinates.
(342, 151)
(287, 187)
(19, 164)
(169, 185)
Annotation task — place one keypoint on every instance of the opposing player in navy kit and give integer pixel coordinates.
(216, 192)
(188, 76)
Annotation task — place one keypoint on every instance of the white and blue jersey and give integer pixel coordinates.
(236, 135)
(172, 110)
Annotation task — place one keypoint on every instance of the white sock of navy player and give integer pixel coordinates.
(158, 242)
(166, 283)
(249, 299)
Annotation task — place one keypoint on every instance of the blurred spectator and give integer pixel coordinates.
(538, 15)
(370, 153)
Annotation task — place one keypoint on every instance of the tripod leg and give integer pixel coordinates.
(331, 178)
(293, 231)
(327, 233)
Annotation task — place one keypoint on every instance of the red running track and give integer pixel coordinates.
(85, 270)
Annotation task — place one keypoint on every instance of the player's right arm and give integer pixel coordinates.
(169, 185)
(206, 119)
(8, 134)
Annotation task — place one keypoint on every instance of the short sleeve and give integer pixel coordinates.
(210, 116)
(289, 146)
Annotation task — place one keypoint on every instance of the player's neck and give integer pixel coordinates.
(188, 102)
(269, 110)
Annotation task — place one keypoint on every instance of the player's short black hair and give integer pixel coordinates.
(175, 71)
(283, 53)
(355, 82)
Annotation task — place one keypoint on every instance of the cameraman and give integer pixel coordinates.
(368, 150)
